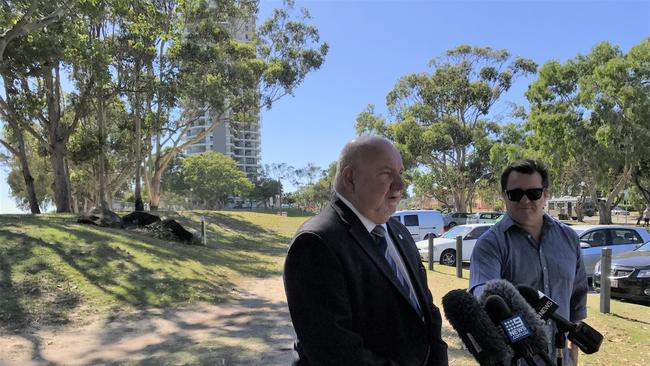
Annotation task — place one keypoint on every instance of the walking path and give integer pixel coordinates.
(252, 330)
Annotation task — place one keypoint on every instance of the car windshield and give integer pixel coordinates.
(455, 231)
(645, 247)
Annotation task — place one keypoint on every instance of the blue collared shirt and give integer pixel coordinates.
(553, 266)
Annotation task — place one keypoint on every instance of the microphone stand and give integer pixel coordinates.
(560, 343)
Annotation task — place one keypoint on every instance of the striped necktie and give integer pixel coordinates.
(379, 234)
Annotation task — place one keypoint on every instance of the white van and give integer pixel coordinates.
(421, 222)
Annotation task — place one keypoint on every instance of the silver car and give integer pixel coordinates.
(593, 238)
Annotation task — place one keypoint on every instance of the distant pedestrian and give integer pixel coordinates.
(646, 216)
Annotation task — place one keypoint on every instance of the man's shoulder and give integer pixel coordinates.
(324, 221)
(560, 226)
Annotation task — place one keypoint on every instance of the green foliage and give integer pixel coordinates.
(264, 189)
(312, 197)
(441, 119)
(213, 177)
(172, 179)
(591, 117)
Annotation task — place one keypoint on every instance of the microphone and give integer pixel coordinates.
(475, 328)
(581, 334)
(514, 327)
(538, 342)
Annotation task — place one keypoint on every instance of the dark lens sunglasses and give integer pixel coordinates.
(533, 194)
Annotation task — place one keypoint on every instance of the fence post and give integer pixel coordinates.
(459, 256)
(430, 251)
(203, 239)
(605, 284)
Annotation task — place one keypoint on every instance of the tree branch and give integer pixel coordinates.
(23, 26)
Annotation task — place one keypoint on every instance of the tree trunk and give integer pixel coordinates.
(57, 139)
(460, 200)
(139, 204)
(22, 151)
(57, 159)
(580, 213)
(604, 213)
(101, 116)
(154, 191)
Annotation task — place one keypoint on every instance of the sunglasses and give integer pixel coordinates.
(533, 194)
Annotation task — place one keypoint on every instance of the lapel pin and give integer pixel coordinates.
(400, 236)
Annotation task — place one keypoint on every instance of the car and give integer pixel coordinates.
(444, 247)
(629, 275)
(620, 238)
(456, 218)
(421, 223)
(485, 217)
(620, 211)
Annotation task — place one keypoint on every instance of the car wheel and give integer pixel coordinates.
(448, 257)
(451, 224)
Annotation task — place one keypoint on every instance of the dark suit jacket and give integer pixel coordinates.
(345, 302)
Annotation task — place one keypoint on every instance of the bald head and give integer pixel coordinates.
(369, 175)
(355, 152)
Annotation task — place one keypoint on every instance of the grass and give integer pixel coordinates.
(53, 270)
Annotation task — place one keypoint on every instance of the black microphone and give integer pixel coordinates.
(538, 342)
(514, 327)
(475, 328)
(581, 334)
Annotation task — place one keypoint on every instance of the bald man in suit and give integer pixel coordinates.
(356, 287)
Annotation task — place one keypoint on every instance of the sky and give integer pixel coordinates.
(374, 43)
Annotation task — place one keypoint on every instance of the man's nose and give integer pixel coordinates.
(398, 183)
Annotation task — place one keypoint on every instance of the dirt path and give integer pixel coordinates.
(253, 330)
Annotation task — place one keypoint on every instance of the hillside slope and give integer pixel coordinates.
(55, 271)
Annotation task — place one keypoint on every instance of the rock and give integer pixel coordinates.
(139, 219)
(101, 217)
(170, 230)
(178, 230)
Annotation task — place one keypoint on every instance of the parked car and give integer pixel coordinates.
(421, 223)
(630, 274)
(444, 247)
(485, 218)
(456, 218)
(620, 211)
(593, 238)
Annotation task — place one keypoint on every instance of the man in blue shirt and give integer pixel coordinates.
(529, 247)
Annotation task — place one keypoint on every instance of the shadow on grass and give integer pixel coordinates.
(41, 295)
(635, 320)
(111, 260)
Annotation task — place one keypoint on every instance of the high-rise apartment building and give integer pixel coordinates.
(239, 141)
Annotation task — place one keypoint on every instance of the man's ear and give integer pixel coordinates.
(348, 178)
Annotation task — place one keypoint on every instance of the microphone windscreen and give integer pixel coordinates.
(539, 341)
(475, 328)
(529, 294)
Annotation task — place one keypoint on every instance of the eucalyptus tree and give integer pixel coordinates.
(17, 19)
(593, 112)
(203, 71)
(142, 26)
(441, 120)
(33, 68)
